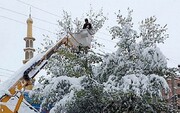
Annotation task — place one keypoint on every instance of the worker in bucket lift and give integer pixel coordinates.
(87, 25)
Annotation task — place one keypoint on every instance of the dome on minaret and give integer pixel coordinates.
(29, 20)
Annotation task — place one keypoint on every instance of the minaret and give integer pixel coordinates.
(29, 50)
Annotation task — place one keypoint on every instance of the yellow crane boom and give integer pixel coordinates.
(32, 67)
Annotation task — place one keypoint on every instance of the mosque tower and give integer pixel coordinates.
(29, 50)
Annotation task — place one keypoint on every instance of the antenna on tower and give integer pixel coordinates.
(30, 11)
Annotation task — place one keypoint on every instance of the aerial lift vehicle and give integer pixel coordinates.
(24, 75)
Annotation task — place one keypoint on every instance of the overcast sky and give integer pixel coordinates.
(14, 13)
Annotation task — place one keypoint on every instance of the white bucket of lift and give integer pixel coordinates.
(82, 38)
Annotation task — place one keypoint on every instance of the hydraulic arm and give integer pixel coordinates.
(24, 76)
(28, 72)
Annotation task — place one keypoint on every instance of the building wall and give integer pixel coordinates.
(176, 95)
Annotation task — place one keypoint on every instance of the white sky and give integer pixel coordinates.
(12, 32)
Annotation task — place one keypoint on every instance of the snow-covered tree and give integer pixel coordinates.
(97, 20)
(67, 69)
(138, 66)
(129, 80)
(141, 60)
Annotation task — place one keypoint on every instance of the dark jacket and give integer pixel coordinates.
(87, 25)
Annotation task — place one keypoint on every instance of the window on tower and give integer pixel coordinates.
(30, 54)
(27, 43)
(31, 43)
(26, 55)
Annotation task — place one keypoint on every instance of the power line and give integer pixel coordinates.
(46, 29)
(104, 33)
(173, 61)
(25, 24)
(38, 8)
(4, 73)
(59, 16)
(26, 15)
(51, 14)
(46, 20)
(5, 76)
(106, 39)
(12, 19)
(12, 11)
(50, 31)
(104, 48)
(6, 70)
